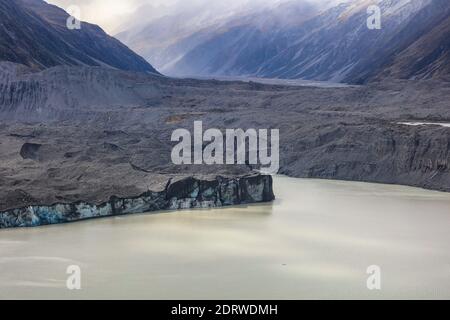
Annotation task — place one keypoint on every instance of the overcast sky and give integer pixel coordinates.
(107, 13)
(112, 14)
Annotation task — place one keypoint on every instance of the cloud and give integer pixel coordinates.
(114, 15)
(109, 14)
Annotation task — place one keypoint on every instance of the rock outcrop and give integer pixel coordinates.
(183, 194)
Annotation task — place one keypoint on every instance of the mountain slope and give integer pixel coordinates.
(166, 40)
(297, 39)
(334, 45)
(428, 56)
(245, 43)
(420, 24)
(35, 34)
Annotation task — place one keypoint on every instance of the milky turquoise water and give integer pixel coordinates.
(315, 241)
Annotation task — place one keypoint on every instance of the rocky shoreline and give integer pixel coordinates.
(187, 193)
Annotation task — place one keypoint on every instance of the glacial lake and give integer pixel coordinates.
(315, 241)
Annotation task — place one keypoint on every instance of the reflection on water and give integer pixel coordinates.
(315, 241)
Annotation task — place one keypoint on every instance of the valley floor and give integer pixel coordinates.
(73, 134)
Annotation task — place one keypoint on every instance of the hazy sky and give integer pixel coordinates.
(107, 13)
(112, 14)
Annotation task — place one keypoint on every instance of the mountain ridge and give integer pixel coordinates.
(34, 33)
(333, 44)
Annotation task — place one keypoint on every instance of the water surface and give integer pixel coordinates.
(315, 241)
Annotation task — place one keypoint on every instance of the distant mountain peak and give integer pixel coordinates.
(34, 33)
